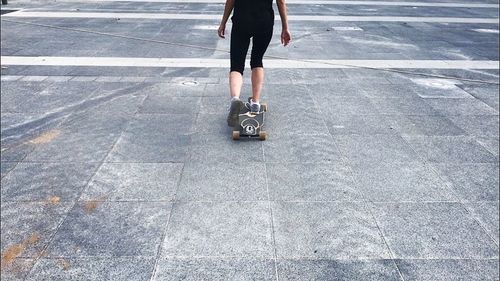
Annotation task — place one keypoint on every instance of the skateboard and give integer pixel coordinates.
(250, 125)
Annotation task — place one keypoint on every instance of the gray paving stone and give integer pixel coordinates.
(391, 182)
(280, 76)
(157, 79)
(13, 70)
(161, 124)
(132, 79)
(118, 229)
(82, 71)
(34, 78)
(223, 182)
(337, 270)
(99, 122)
(212, 124)
(301, 149)
(311, 182)
(134, 269)
(215, 269)
(43, 181)
(461, 107)
(215, 105)
(223, 229)
(425, 125)
(359, 125)
(220, 148)
(161, 103)
(345, 88)
(486, 93)
(433, 231)
(222, 90)
(17, 269)
(15, 153)
(478, 125)
(134, 182)
(195, 81)
(108, 79)
(487, 214)
(402, 106)
(282, 99)
(309, 122)
(27, 227)
(6, 167)
(387, 90)
(116, 99)
(375, 148)
(10, 77)
(327, 230)
(346, 105)
(442, 90)
(68, 146)
(491, 144)
(58, 96)
(448, 269)
(151, 138)
(472, 182)
(17, 96)
(450, 149)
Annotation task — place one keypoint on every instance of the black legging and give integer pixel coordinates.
(240, 41)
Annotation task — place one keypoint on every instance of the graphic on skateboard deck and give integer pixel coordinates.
(250, 125)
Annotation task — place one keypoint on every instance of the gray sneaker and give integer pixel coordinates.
(254, 107)
(234, 111)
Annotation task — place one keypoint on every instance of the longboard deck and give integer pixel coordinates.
(250, 125)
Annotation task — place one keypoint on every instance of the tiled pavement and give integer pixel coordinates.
(129, 173)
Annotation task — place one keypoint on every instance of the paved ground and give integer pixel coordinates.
(129, 173)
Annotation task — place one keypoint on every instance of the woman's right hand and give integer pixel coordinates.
(286, 36)
(222, 30)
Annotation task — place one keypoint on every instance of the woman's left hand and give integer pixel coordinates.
(286, 37)
(222, 30)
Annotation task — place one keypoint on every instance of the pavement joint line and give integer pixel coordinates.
(263, 201)
(271, 216)
(158, 255)
(313, 258)
(320, 2)
(165, 16)
(224, 63)
(294, 258)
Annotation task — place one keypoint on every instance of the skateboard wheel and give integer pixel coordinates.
(264, 107)
(236, 135)
(263, 135)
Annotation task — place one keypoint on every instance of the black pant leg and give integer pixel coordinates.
(240, 41)
(260, 41)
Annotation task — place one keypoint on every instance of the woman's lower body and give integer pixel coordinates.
(240, 42)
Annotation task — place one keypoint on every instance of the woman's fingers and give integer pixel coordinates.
(285, 37)
(222, 31)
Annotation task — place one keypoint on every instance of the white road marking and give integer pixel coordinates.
(224, 63)
(482, 30)
(25, 14)
(325, 2)
(346, 28)
(206, 27)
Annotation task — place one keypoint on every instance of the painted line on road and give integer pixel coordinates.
(324, 2)
(24, 14)
(224, 63)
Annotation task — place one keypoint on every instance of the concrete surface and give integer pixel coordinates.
(129, 173)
